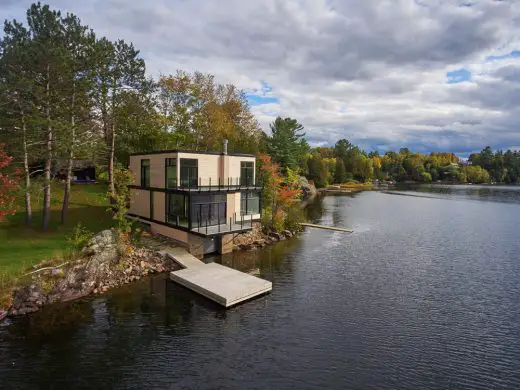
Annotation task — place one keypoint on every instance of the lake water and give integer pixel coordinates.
(424, 295)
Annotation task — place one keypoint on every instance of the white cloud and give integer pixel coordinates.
(371, 71)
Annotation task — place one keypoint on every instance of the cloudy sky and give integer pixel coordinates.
(426, 74)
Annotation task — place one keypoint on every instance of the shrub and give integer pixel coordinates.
(293, 218)
(122, 179)
(79, 237)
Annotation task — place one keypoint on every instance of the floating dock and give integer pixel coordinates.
(223, 285)
(339, 229)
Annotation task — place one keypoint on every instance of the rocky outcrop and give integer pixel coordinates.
(308, 189)
(257, 239)
(104, 263)
(28, 300)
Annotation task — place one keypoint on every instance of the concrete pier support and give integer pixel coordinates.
(225, 244)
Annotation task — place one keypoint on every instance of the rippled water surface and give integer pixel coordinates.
(424, 295)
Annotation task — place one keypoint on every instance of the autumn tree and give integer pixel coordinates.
(199, 113)
(279, 193)
(8, 185)
(318, 170)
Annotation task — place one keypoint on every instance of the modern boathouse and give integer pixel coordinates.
(199, 199)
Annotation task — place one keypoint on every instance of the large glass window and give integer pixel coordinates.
(249, 203)
(145, 173)
(208, 209)
(247, 173)
(189, 173)
(177, 209)
(171, 172)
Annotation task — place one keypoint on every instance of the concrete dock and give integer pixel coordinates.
(223, 285)
(339, 229)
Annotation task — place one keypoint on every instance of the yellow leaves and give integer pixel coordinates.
(207, 112)
(377, 162)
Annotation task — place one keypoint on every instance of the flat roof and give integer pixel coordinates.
(189, 151)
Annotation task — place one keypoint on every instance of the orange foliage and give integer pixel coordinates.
(8, 185)
(279, 196)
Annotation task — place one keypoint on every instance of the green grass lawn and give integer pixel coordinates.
(22, 247)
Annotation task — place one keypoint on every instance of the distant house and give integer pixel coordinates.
(199, 199)
(83, 171)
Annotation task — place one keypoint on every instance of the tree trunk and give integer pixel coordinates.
(112, 145)
(111, 157)
(48, 161)
(66, 192)
(27, 174)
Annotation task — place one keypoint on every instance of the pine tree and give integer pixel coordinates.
(15, 101)
(340, 175)
(287, 145)
(78, 83)
(48, 60)
(118, 68)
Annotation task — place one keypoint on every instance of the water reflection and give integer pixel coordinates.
(489, 193)
(423, 295)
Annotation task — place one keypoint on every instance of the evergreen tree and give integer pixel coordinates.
(286, 145)
(340, 174)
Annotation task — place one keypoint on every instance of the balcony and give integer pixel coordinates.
(214, 184)
(235, 224)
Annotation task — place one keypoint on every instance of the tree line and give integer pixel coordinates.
(345, 162)
(67, 94)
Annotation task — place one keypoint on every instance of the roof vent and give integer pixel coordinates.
(225, 146)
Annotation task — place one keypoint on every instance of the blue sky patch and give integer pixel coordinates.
(256, 100)
(458, 76)
(513, 54)
(263, 95)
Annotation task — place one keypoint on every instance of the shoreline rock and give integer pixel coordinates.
(257, 239)
(104, 263)
(309, 191)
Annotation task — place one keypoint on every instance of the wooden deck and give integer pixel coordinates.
(223, 285)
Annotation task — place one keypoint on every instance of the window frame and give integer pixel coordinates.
(145, 173)
(247, 197)
(180, 220)
(168, 164)
(247, 180)
(192, 180)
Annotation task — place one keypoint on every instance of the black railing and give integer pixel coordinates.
(212, 184)
(234, 223)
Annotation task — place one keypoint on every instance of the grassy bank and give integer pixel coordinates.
(22, 247)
